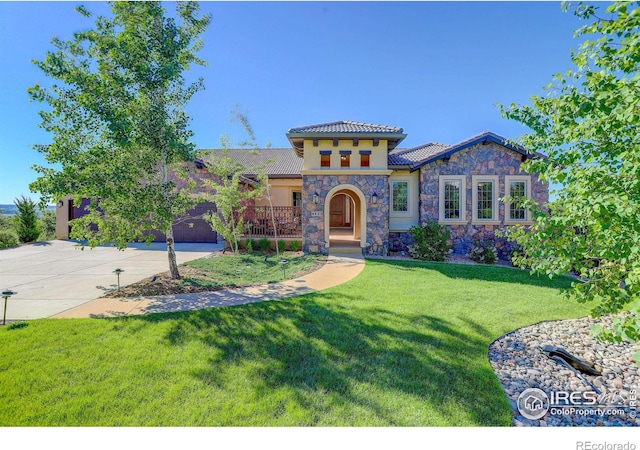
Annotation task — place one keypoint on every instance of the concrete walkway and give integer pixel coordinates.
(55, 276)
(337, 270)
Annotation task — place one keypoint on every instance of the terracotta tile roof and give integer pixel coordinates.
(277, 161)
(285, 162)
(413, 156)
(346, 126)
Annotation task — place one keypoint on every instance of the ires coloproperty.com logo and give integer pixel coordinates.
(534, 404)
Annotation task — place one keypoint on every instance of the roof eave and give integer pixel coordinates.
(297, 139)
(400, 166)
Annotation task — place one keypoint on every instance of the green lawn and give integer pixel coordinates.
(403, 344)
(248, 268)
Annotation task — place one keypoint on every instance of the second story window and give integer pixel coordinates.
(345, 158)
(325, 158)
(365, 158)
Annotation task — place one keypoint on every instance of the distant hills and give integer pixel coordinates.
(11, 210)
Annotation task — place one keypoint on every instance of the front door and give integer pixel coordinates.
(337, 211)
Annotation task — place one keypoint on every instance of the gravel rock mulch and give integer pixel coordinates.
(519, 364)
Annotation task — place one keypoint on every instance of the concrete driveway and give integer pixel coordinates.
(54, 276)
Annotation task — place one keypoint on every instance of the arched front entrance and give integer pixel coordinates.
(345, 217)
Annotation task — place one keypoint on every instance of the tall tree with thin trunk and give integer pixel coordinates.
(116, 112)
(233, 192)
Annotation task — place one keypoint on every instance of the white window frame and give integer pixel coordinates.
(507, 191)
(407, 181)
(475, 179)
(462, 179)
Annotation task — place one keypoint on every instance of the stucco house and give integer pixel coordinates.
(350, 182)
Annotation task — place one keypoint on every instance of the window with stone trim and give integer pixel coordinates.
(518, 187)
(485, 198)
(452, 198)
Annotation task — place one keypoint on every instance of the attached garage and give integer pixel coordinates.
(191, 228)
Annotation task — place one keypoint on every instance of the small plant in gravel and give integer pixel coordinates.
(483, 252)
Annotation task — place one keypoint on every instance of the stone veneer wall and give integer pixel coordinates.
(377, 225)
(489, 159)
(399, 241)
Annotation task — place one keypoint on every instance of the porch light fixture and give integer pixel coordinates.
(316, 197)
(6, 294)
(374, 198)
(60, 204)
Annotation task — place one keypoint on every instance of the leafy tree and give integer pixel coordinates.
(47, 225)
(119, 128)
(27, 225)
(232, 193)
(589, 126)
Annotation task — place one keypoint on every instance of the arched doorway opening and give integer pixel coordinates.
(345, 217)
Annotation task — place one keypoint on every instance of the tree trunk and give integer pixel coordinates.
(171, 253)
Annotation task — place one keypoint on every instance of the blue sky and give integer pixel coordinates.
(436, 69)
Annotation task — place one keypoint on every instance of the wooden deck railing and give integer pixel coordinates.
(259, 223)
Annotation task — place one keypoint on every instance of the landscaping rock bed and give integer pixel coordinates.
(519, 364)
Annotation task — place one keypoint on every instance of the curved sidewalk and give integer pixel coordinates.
(337, 270)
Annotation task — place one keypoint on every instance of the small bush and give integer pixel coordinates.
(295, 246)
(47, 225)
(249, 244)
(281, 245)
(8, 238)
(27, 226)
(6, 222)
(483, 252)
(264, 244)
(430, 242)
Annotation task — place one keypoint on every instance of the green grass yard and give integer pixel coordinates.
(403, 344)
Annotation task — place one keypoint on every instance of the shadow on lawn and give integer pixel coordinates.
(373, 362)
(480, 272)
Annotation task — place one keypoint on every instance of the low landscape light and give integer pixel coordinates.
(118, 272)
(283, 263)
(6, 294)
